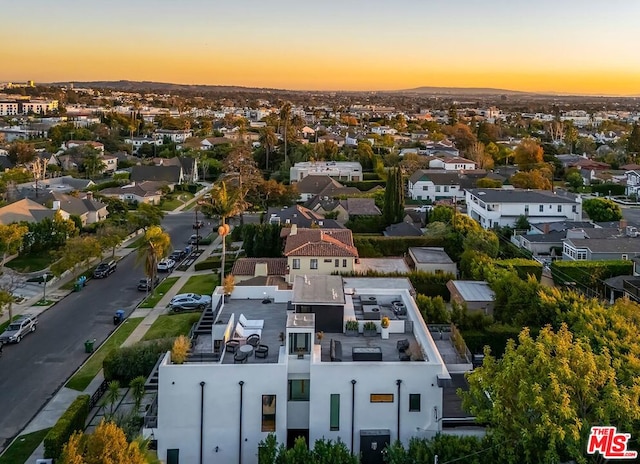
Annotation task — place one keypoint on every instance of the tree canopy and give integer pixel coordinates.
(528, 154)
(602, 209)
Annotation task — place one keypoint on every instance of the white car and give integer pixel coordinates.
(166, 265)
(189, 301)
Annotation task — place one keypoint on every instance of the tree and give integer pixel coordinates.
(112, 395)
(10, 283)
(285, 116)
(602, 209)
(574, 179)
(11, 237)
(528, 154)
(534, 179)
(633, 142)
(21, 152)
(541, 398)
(477, 153)
(393, 210)
(93, 163)
(110, 237)
(487, 182)
(107, 444)
(268, 140)
(156, 245)
(483, 241)
(243, 173)
(180, 349)
(146, 215)
(137, 391)
(76, 251)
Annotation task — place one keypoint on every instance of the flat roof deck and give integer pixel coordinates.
(388, 347)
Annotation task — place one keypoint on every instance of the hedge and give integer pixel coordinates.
(426, 283)
(524, 267)
(495, 337)
(366, 185)
(609, 189)
(378, 246)
(126, 363)
(74, 418)
(214, 263)
(588, 273)
(370, 176)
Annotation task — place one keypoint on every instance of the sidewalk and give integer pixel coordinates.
(49, 415)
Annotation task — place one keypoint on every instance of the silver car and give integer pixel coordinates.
(185, 301)
(16, 331)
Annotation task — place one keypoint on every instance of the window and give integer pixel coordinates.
(344, 263)
(381, 398)
(559, 208)
(337, 263)
(334, 412)
(574, 209)
(299, 390)
(526, 210)
(314, 263)
(268, 413)
(625, 257)
(581, 254)
(327, 260)
(296, 263)
(446, 188)
(414, 402)
(437, 188)
(541, 208)
(299, 342)
(425, 188)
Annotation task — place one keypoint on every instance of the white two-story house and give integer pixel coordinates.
(502, 207)
(633, 182)
(436, 184)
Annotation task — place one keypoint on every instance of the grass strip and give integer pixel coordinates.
(200, 284)
(172, 325)
(81, 379)
(22, 449)
(152, 300)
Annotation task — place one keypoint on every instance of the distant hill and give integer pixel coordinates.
(128, 86)
(462, 91)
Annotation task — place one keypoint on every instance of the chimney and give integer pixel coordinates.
(545, 228)
(294, 229)
(261, 269)
(89, 195)
(623, 224)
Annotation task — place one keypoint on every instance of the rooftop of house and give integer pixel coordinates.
(522, 196)
(471, 290)
(24, 210)
(319, 242)
(430, 255)
(606, 245)
(247, 266)
(316, 184)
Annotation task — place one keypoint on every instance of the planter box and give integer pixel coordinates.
(370, 333)
(351, 333)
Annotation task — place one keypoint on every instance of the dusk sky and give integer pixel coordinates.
(572, 46)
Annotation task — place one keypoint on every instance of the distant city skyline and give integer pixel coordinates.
(571, 46)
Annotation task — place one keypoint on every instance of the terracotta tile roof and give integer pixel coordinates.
(321, 242)
(247, 266)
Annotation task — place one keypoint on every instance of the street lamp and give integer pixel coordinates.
(44, 287)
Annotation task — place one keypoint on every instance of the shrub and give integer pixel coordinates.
(369, 325)
(73, 419)
(523, 267)
(378, 246)
(609, 189)
(427, 283)
(209, 263)
(126, 363)
(180, 349)
(365, 185)
(494, 336)
(588, 274)
(351, 324)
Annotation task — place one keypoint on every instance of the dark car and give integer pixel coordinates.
(198, 224)
(104, 269)
(177, 255)
(145, 284)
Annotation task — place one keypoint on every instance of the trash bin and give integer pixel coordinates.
(118, 317)
(88, 346)
(77, 287)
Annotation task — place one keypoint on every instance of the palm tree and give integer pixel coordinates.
(156, 245)
(285, 115)
(113, 395)
(93, 163)
(224, 204)
(268, 139)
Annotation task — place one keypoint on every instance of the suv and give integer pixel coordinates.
(104, 269)
(19, 328)
(145, 284)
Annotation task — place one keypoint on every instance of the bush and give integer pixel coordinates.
(370, 176)
(494, 336)
(73, 419)
(126, 363)
(209, 263)
(427, 283)
(365, 224)
(365, 185)
(588, 273)
(523, 267)
(378, 246)
(606, 189)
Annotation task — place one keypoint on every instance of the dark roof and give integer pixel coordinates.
(160, 173)
(77, 206)
(607, 245)
(315, 184)
(466, 179)
(362, 207)
(521, 196)
(559, 226)
(5, 163)
(551, 237)
(402, 229)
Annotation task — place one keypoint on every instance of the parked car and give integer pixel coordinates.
(198, 224)
(194, 239)
(177, 255)
(16, 331)
(145, 284)
(105, 269)
(166, 265)
(184, 301)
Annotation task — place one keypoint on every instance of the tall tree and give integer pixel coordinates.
(285, 120)
(21, 152)
(633, 142)
(156, 245)
(242, 173)
(393, 211)
(10, 240)
(528, 154)
(93, 163)
(268, 140)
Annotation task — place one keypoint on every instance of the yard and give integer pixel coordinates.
(152, 300)
(200, 284)
(172, 325)
(22, 449)
(174, 200)
(83, 377)
(31, 262)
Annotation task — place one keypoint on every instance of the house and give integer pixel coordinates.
(170, 175)
(459, 164)
(403, 229)
(346, 209)
(310, 186)
(475, 295)
(245, 269)
(383, 130)
(318, 251)
(89, 210)
(602, 245)
(300, 216)
(633, 182)
(137, 142)
(221, 403)
(83, 143)
(209, 143)
(432, 259)
(502, 207)
(188, 164)
(110, 163)
(337, 139)
(137, 192)
(434, 185)
(307, 132)
(175, 136)
(545, 239)
(340, 170)
(24, 210)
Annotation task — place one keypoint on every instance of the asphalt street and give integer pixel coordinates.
(33, 370)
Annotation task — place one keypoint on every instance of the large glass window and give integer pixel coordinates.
(299, 390)
(296, 263)
(314, 263)
(299, 342)
(268, 413)
(334, 412)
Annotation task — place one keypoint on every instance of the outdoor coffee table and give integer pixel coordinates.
(247, 349)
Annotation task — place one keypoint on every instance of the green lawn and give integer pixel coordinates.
(90, 369)
(31, 262)
(152, 300)
(201, 284)
(172, 325)
(23, 447)
(137, 242)
(175, 200)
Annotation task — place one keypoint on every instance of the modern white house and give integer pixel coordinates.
(633, 182)
(438, 184)
(502, 207)
(340, 170)
(365, 391)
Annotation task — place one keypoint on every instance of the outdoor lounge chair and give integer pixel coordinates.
(251, 323)
(242, 332)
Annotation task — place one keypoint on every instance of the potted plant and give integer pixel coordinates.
(369, 329)
(351, 328)
(384, 325)
(228, 285)
(320, 336)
